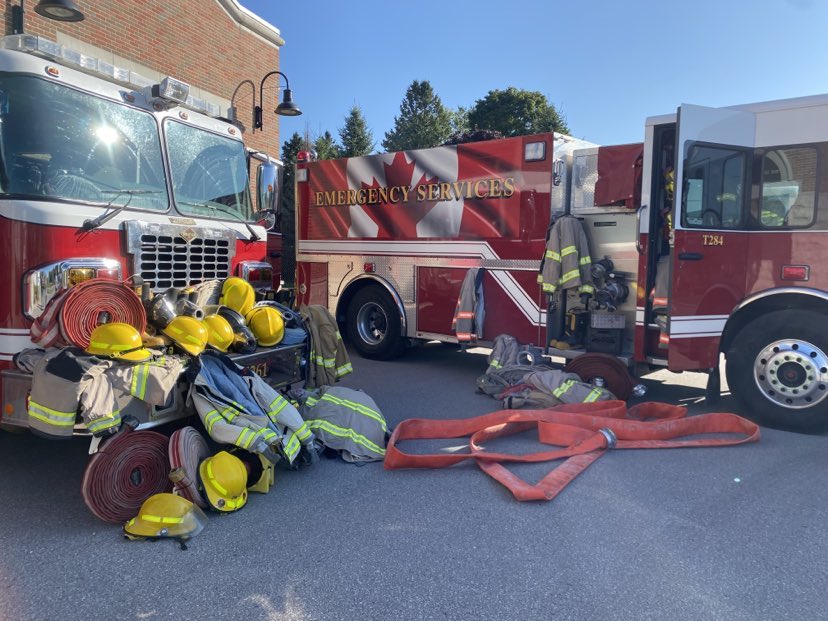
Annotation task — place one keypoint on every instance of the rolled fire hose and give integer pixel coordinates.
(129, 468)
(615, 374)
(187, 450)
(93, 302)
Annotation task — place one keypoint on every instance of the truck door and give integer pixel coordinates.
(710, 237)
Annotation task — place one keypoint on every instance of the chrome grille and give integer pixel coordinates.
(177, 256)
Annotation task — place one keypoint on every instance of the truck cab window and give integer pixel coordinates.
(57, 142)
(789, 188)
(209, 173)
(713, 194)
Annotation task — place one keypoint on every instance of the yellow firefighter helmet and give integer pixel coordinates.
(188, 333)
(219, 332)
(238, 294)
(224, 479)
(118, 340)
(267, 325)
(166, 515)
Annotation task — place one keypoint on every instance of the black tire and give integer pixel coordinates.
(777, 369)
(373, 324)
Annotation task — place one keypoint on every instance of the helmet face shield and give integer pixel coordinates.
(166, 515)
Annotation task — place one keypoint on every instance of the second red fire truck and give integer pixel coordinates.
(706, 239)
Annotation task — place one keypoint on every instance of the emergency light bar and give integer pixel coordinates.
(169, 89)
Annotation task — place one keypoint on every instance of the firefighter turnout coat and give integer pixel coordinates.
(243, 410)
(567, 263)
(329, 359)
(346, 420)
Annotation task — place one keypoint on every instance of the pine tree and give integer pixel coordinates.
(423, 121)
(326, 148)
(356, 138)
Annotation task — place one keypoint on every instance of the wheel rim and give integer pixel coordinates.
(792, 373)
(372, 323)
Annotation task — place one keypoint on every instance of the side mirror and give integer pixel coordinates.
(268, 186)
(267, 219)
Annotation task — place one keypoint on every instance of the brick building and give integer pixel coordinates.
(214, 45)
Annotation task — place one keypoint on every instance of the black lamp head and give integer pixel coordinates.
(287, 107)
(59, 10)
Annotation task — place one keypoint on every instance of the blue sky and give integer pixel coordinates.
(605, 64)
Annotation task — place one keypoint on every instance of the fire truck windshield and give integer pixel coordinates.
(209, 173)
(60, 143)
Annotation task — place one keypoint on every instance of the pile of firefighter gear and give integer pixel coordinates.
(111, 352)
(583, 432)
(518, 377)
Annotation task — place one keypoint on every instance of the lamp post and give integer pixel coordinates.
(58, 10)
(286, 108)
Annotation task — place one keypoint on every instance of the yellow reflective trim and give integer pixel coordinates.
(328, 363)
(211, 477)
(49, 421)
(282, 404)
(357, 407)
(567, 250)
(159, 519)
(495, 364)
(105, 423)
(570, 275)
(292, 447)
(346, 433)
(243, 441)
(585, 261)
(303, 432)
(548, 288)
(551, 254)
(593, 395)
(139, 381)
(344, 369)
(50, 411)
(211, 418)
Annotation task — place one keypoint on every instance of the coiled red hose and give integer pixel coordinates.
(131, 467)
(187, 450)
(93, 302)
(615, 373)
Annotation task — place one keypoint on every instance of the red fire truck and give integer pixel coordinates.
(105, 174)
(705, 240)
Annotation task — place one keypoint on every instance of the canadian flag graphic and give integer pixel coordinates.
(417, 216)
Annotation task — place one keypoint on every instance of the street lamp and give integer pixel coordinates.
(59, 10)
(286, 108)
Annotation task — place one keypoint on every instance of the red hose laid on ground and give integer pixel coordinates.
(586, 430)
(187, 450)
(93, 302)
(129, 468)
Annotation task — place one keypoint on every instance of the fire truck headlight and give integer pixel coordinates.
(171, 90)
(41, 284)
(257, 273)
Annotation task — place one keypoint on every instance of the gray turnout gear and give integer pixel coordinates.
(567, 387)
(566, 263)
(329, 359)
(347, 421)
(245, 411)
(469, 314)
(152, 381)
(65, 383)
(504, 352)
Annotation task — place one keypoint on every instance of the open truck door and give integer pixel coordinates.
(710, 210)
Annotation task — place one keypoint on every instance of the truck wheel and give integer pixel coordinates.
(374, 325)
(777, 369)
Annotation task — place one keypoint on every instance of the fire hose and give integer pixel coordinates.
(615, 374)
(97, 301)
(187, 450)
(585, 430)
(129, 468)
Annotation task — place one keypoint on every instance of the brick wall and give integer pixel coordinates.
(192, 40)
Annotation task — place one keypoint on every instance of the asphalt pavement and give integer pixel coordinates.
(710, 533)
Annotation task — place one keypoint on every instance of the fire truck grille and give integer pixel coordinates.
(164, 259)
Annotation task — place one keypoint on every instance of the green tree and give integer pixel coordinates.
(423, 121)
(459, 120)
(516, 112)
(356, 138)
(326, 148)
(287, 210)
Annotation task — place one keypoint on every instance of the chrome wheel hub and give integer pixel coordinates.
(372, 323)
(792, 373)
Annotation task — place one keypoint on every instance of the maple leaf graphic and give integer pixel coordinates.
(399, 220)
